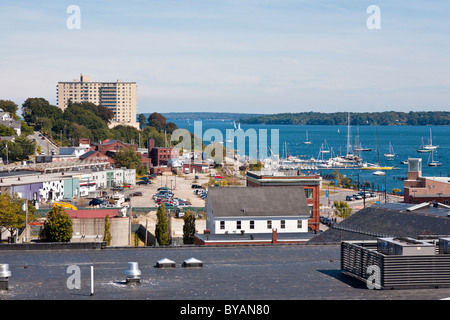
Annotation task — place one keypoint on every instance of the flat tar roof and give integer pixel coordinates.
(266, 272)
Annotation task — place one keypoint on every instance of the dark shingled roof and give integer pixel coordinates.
(389, 220)
(258, 201)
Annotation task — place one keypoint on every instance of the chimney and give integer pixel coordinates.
(151, 145)
(274, 235)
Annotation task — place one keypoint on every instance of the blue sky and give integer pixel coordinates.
(265, 56)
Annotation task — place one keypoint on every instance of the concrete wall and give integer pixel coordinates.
(92, 230)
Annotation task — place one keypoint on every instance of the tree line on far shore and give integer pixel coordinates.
(387, 118)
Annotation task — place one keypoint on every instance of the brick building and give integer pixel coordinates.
(418, 189)
(311, 187)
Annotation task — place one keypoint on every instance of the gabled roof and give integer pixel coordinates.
(258, 201)
(88, 154)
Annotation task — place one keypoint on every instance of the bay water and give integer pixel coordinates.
(405, 140)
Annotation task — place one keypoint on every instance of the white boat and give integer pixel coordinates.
(379, 173)
(432, 162)
(306, 141)
(391, 154)
(430, 146)
(422, 149)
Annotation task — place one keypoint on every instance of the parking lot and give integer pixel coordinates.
(185, 196)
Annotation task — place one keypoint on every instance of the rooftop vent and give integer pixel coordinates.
(444, 245)
(165, 263)
(133, 274)
(4, 275)
(404, 246)
(192, 263)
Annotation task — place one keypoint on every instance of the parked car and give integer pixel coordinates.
(136, 194)
(118, 188)
(95, 202)
(349, 198)
(357, 197)
(196, 186)
(367, 193)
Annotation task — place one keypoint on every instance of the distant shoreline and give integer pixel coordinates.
(386, 118)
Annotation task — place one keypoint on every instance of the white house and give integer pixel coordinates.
(237, 210)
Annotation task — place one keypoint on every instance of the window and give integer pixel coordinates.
(299, 224)
(283, 224)
(222, 225)
(269, 224)
(252, 224)
(309, 193)
(238, 225)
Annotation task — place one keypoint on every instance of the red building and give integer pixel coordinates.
(311, 184)
(161, 155)
(111, 145)
(418, 189)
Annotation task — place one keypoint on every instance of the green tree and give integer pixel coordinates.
(142, 121)
(162, 226)
(36, 110)
(9, 106)
(27, 147)
(10, 151)
(131, 159)
(188, 227)
(157, 121)
(57, 227)
(12, 216)
(6, 131)
(84, 115)
(342, 209)
(25, 129)
(107, 237)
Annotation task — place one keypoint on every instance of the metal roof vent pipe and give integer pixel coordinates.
(133, 273)
(4, 276)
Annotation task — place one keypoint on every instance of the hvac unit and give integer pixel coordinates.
(404, 246)
(444, 245)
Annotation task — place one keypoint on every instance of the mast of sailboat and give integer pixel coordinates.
(349, 148)
(378, 149)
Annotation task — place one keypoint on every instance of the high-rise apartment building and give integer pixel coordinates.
(119, 96)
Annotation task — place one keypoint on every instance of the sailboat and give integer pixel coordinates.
(358, 148)
(422, 149)
(430, 146)
(377, 165)
(390, 155)
(306, 141)
(432, 162)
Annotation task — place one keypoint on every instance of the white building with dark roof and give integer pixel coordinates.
(240, 210)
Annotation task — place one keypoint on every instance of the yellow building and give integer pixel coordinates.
(119, 96)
